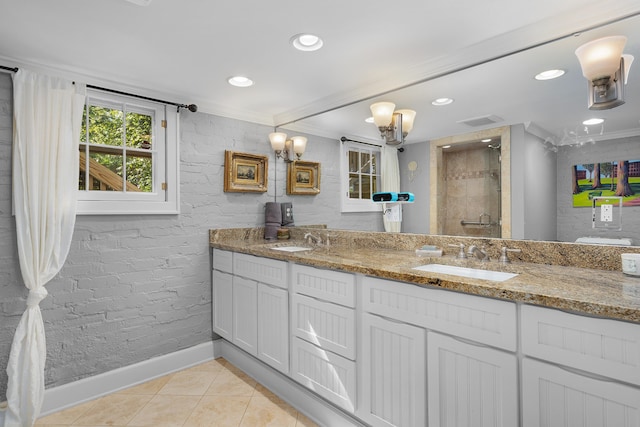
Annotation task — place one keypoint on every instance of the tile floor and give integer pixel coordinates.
(213, 394)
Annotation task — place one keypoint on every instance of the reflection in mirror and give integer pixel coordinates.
(469, 178)
(546, 131)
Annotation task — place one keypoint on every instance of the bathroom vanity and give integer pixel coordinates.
(358, 330)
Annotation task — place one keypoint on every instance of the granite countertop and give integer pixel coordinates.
(603, 293)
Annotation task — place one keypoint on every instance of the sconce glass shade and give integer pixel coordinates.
(408, 116)
(277, 140)
(601, 58)
(382, 113)
(299, 144)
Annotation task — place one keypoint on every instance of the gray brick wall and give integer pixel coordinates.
(136, 287)
(576, 222)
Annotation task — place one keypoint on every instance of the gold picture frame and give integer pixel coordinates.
(245, 173)
(303, 177)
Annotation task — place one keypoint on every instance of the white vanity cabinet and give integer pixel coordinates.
(470, 384)
(587, 372)
(222, 293)
(392, 382)
(324, 333)
(251, 305)
(457, 349)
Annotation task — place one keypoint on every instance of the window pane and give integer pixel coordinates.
(139, 173)
(366, 187)
(138, 130)
(105, 126)
(105, 171)
(374, 167)
(374, 184)
(353, 161)
(83, 130)
(365, 162)
(354, 186)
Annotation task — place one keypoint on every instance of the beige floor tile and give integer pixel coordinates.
(265, 392)
(115, 409)
(149, 387)
(304, 421)
(213, 366)
(232, 384)
(218, 411)
(262, 412)
(165, 411)
(67, 416)
(188, 383)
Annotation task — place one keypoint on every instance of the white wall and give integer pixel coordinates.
(415, 216)
(138, 286)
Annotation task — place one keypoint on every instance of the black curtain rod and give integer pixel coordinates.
(345, 139)
(191, 107)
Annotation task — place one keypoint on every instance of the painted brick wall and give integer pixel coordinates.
(136, 287)
(576, 222)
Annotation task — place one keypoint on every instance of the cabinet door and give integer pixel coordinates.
(470, 385)
(273, 327)
(392, 379)
(555, 397)
(222, 289)
(245, 314)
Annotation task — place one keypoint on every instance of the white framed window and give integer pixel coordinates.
(360, 176)
(129, 158)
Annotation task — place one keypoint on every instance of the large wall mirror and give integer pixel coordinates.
(547, 136)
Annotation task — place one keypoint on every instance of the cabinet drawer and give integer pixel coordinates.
(552, 396)
(331, 376)
(602, 346)
(329, 326)
(223, 260)
(479, 319)
(265, 270)
(328, 285)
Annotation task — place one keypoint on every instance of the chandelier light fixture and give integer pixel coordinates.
(606, 69)
(394, 125)
(286, 148)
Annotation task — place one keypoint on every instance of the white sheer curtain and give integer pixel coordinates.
(391, 182)
(47, 117)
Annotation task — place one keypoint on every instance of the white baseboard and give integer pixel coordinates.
(86, 389)
(313, 406)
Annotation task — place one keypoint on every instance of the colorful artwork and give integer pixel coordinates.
(617, 178)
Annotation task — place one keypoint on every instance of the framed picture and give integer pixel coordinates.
(245, 173)
(303, 177)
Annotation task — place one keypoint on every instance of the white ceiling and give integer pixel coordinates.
(184, 51)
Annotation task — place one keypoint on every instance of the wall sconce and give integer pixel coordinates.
(285, 148)
(394, 126)
(606, 69)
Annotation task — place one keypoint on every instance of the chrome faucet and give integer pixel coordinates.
(310, 238)
(479, 253)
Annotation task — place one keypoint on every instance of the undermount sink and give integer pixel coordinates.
(473, 273)
(291, 248)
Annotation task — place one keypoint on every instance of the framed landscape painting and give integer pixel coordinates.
(303, 178)
(245, 173)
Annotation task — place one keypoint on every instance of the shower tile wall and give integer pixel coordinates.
(471, 189)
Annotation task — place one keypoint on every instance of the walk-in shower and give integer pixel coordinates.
(468, 185)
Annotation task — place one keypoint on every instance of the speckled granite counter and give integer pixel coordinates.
(581, 278)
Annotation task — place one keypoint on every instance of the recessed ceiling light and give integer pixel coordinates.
(549, 74)
(369, 120)
(486, 140)
(306, 42)
(442, 101)
(240, 81)
(592, 122)
(446, 146)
